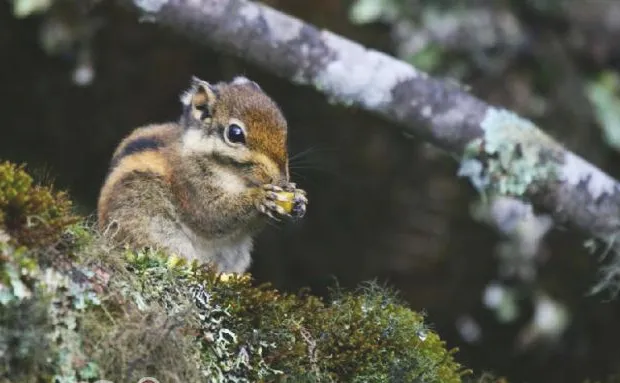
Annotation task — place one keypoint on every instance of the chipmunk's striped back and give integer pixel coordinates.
(142, 152)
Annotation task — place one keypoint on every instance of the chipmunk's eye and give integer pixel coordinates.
(235, 134)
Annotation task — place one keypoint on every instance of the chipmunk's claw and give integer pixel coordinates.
(270, 208)
(290, 187)
(272, 188)
(299, 204)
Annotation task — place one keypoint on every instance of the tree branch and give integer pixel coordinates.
(500, 152)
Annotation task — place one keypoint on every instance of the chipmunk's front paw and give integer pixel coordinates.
(287, 201)
(298, 201)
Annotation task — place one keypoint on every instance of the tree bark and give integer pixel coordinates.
(499, 151)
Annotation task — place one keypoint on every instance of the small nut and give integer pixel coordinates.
(287, 204)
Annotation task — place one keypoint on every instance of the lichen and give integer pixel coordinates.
(368, 11)
(150, 6)
(578, 171)
(512, 157)
(349, 82)
(39, 311)
(25, 8)
(606, 105)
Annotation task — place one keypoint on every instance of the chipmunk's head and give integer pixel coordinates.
(239, 127)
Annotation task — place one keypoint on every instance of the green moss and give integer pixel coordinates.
(32, 215)
(76, 309)
(41, 295)
(512, 157)
(253, 333)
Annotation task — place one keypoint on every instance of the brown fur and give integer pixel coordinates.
(265, 123)
(184, 187)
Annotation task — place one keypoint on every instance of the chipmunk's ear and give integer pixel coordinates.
(199, 100)
(242, 80)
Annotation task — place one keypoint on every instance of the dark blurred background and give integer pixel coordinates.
(76, 76)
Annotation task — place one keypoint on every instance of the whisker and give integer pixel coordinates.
(302, 153)
(318, 161)
(324, 172)
(304, 161)
(308, 166)
(310, 150)
(299, 175)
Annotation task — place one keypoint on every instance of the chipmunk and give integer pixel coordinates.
(204, 186)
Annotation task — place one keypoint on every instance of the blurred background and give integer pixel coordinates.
(76, 76)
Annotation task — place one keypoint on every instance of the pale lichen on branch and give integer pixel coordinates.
(512, 156)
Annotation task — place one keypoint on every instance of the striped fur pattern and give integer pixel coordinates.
(195, 189)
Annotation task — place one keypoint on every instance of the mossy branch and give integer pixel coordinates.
(75, 308)
(500, 152)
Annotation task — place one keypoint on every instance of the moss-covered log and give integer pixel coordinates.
(74, 309)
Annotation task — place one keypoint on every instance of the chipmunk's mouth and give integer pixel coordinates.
(257, 182)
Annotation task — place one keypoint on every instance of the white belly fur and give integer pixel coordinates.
(229, 254)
